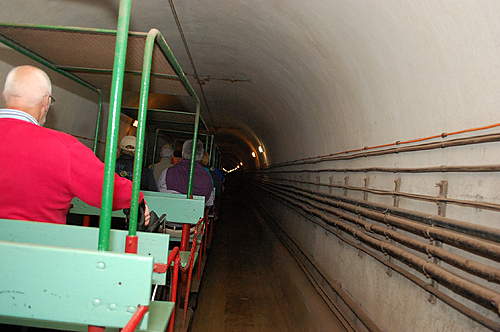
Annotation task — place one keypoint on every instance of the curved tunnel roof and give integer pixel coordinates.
(311, 77)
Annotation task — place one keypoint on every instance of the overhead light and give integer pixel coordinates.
(261, 150)
(241, 163)
(136, 123)
(253, 154)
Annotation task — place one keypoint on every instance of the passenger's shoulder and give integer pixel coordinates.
(60, 137)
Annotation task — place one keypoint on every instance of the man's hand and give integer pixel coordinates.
(147, 215)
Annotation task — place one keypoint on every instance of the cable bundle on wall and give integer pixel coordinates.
(348, 219)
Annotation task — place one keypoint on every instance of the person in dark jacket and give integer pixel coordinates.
(125, 164)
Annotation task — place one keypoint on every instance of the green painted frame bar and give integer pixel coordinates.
(156, 110)
(178, 70)
(150, 244)
(33, 284)
(115, 103)
(109, 71)
(141, 129)
(176, 206)
(158, 130)
(210, 153)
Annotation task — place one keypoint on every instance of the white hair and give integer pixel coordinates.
(187, 150)
(28, 84)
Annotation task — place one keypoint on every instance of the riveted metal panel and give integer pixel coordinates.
(177, 207)
(72, 285)
(150, 244)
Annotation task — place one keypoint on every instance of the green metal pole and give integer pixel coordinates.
(180, 132)
(214, 161)
(141, 129)
(114, 122)
(21, 49)
(206, 142)
(193, 154)
(209, 151)
(109, 71)
(185, 82)
(157, 132)
(97, 122)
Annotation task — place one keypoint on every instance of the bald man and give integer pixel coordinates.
(42, 170)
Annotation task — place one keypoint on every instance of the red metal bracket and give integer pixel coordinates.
(131, 244)
(135, 319)
(160, 268)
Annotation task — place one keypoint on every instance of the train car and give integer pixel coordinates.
(249, 165)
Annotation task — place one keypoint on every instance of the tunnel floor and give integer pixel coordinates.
(240, 291)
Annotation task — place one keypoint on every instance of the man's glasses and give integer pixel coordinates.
(52, 100)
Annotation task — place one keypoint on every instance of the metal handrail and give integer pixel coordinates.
(114, 122)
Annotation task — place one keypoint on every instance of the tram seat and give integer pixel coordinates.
(177, 207)
(150, 244)
(57, 287)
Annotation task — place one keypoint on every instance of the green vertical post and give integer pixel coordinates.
(210, 151)
(114, 122)
(97, 121)
(141, 129)
(214, 159)
(206, 143)
(155, 147)
(193, 153)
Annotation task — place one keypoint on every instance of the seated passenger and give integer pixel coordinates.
(177, 157)
(125, 164)
(162, 181)
(165, 162)
(42, 170)
(177, 177)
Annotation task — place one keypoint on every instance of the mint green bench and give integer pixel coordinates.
(154, 245)
(67, 288)
(177, 207)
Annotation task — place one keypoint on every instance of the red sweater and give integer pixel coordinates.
(41, 170)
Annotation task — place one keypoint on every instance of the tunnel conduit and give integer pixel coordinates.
(427, 146)
(382, 258)
(488, 250)
(479, 269)
(420, 147)
(464, 287)
(483, 232)
(432, 169)
(421, 197)
(319, 280)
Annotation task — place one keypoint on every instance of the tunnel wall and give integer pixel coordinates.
(317, 77)
(378, 74)
(391, 300)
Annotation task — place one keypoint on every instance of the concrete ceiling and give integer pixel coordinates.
(312, 77)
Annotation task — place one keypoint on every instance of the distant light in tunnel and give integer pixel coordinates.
(136, 123)
(261, 150)
(231, 170)
(253, 154)
(241, 163)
